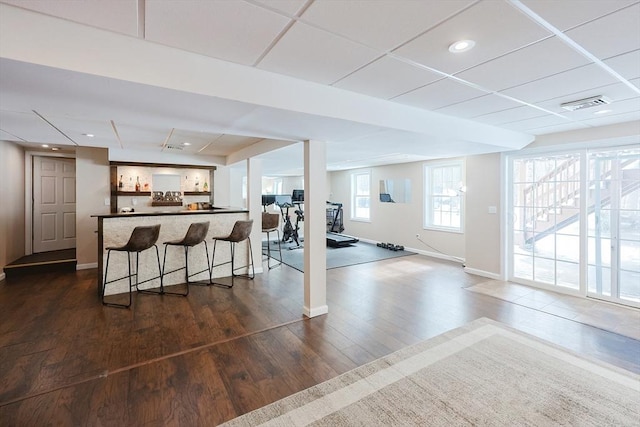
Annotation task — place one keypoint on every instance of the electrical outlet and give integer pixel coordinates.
(417, 236)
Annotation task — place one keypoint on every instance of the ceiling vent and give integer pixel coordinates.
(174, 147)
(580, 104)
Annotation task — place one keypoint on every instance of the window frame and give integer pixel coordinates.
(355, 197)
(429, 196)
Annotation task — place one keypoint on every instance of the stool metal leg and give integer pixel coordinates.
(104, 285)
(187, 275)
(150, 291)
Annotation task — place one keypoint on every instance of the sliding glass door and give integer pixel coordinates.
(613, 231)
(576, 222)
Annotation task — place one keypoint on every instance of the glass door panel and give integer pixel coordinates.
(613, 225)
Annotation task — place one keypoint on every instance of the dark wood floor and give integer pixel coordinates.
(201, 360)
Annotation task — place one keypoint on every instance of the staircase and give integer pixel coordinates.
(557, 197)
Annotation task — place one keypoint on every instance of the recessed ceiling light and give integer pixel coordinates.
(45, 145)
(186, 143)
(462, 46)
(89, 135)
(603, 112)
(54, 148)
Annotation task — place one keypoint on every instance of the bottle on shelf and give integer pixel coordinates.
(137, 184)
(205, 187)
(197, 184)
(120, 183)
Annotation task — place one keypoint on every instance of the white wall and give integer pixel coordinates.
(482, 229)
(396, 223)
(92, 188)
(12, 197)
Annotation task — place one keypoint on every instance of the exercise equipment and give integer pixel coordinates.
(335, 227)
(289, 231)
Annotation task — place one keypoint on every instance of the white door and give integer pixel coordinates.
(54, 204)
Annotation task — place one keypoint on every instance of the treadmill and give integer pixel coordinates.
(335, 227)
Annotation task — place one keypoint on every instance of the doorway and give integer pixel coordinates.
(576, 222)
(54, 203)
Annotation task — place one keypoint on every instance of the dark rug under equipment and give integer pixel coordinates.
(357, 253)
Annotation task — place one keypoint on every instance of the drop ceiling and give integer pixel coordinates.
(395, 92)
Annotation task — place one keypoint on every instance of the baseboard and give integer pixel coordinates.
(2, 276)
(435, 255)
(87, 266)
(487, 274)
(316, 311)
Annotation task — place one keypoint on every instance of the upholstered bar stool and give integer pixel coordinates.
(271, 223)
(196, 234)
(141, 239)
(240, 232)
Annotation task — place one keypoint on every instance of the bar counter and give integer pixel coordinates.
(115, 229)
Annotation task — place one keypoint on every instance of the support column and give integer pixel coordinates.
(254, 205)
(315, 228)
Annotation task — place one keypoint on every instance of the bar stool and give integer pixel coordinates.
(270, 223)
(141, 239)
(240, 232)
(196, 234)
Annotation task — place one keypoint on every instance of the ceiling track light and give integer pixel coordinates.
(461, 46)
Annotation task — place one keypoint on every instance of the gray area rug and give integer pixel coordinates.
(481, 374)
(357, 253)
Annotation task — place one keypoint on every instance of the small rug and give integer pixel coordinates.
(483, 373)
(357, 253)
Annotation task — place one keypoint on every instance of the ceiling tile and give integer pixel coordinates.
(386, 78)
(30, 127)
(487, 23)
(536, 122)
(148, 136)
(290, 7)
(510, 115)
(439, 94)
(559, 127)
(228, 144)
(384, 24)
(311, 54)
(565, 83)
(614, 118)
(533, 62)
(230, 30)
(610, 35)
(196, 140)
(627, 65)
(564, 14)
(478, 106)
(78, 128)
(120, 16)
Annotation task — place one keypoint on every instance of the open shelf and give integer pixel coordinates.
(133, 193)
(166, 203)
(197, 193)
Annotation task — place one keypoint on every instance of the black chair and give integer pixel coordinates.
(196, 234)
(271, 223)
(141, 239)
(241, 232)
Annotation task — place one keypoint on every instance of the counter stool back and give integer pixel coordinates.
(141, 239)
(271, 223)
(196, 234)
(240, 232)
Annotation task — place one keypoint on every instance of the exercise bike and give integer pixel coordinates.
(289, 231)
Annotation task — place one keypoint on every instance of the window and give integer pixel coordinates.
(360, 195)
(444, 184)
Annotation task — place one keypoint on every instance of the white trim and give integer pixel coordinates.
(87, 266)
(316, 311)
(2, 276)
(487, 274)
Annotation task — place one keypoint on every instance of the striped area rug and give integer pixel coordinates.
(482, 374)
